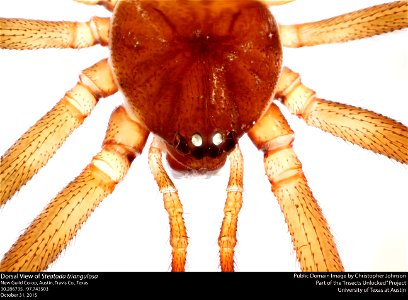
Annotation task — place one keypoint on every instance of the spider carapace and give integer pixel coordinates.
(198, 75)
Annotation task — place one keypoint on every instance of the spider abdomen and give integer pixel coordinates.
(196, 73)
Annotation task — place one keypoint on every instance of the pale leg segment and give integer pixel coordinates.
(108, 4)
(228, 235)
(359, 126)
(24, 34)
(50, 233)
(35, 147)
(276, 2)
(359, 24)
(311, 237)
(173, 206)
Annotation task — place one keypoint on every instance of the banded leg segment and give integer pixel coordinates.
(23, 34)
(364, 128)
(359, 24)
(59, 222)
(276, 2)
(228, 235)
(311, 237)
(173, 206)
(108, 4)
(33, 150)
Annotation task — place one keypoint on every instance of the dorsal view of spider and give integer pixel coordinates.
(239, 104)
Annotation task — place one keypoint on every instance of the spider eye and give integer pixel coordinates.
(197, 140)
(230, 141)
(217, 139)
(181, 144)
(212, 146)
(198, 153)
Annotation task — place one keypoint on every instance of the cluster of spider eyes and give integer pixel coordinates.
(197, 139)
(198, 147)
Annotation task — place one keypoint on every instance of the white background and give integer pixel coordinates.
(363, 195)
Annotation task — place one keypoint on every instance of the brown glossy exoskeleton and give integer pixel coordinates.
(196, 73)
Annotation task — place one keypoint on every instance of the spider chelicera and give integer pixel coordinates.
(318, 158)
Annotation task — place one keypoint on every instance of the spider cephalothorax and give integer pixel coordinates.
(198, 75)
(207, 68)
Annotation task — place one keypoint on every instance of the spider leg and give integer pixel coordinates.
(35, 147)
(311, 237)
(362, 127)
(228, 237)
(24, 34)
(276, 2)
(49, 234)
(173, 206)
(359, 24)
(108, 4)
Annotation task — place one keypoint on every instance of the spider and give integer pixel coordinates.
(250, 168)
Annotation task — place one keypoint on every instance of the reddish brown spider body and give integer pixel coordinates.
(198, 75)
(202, 71)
